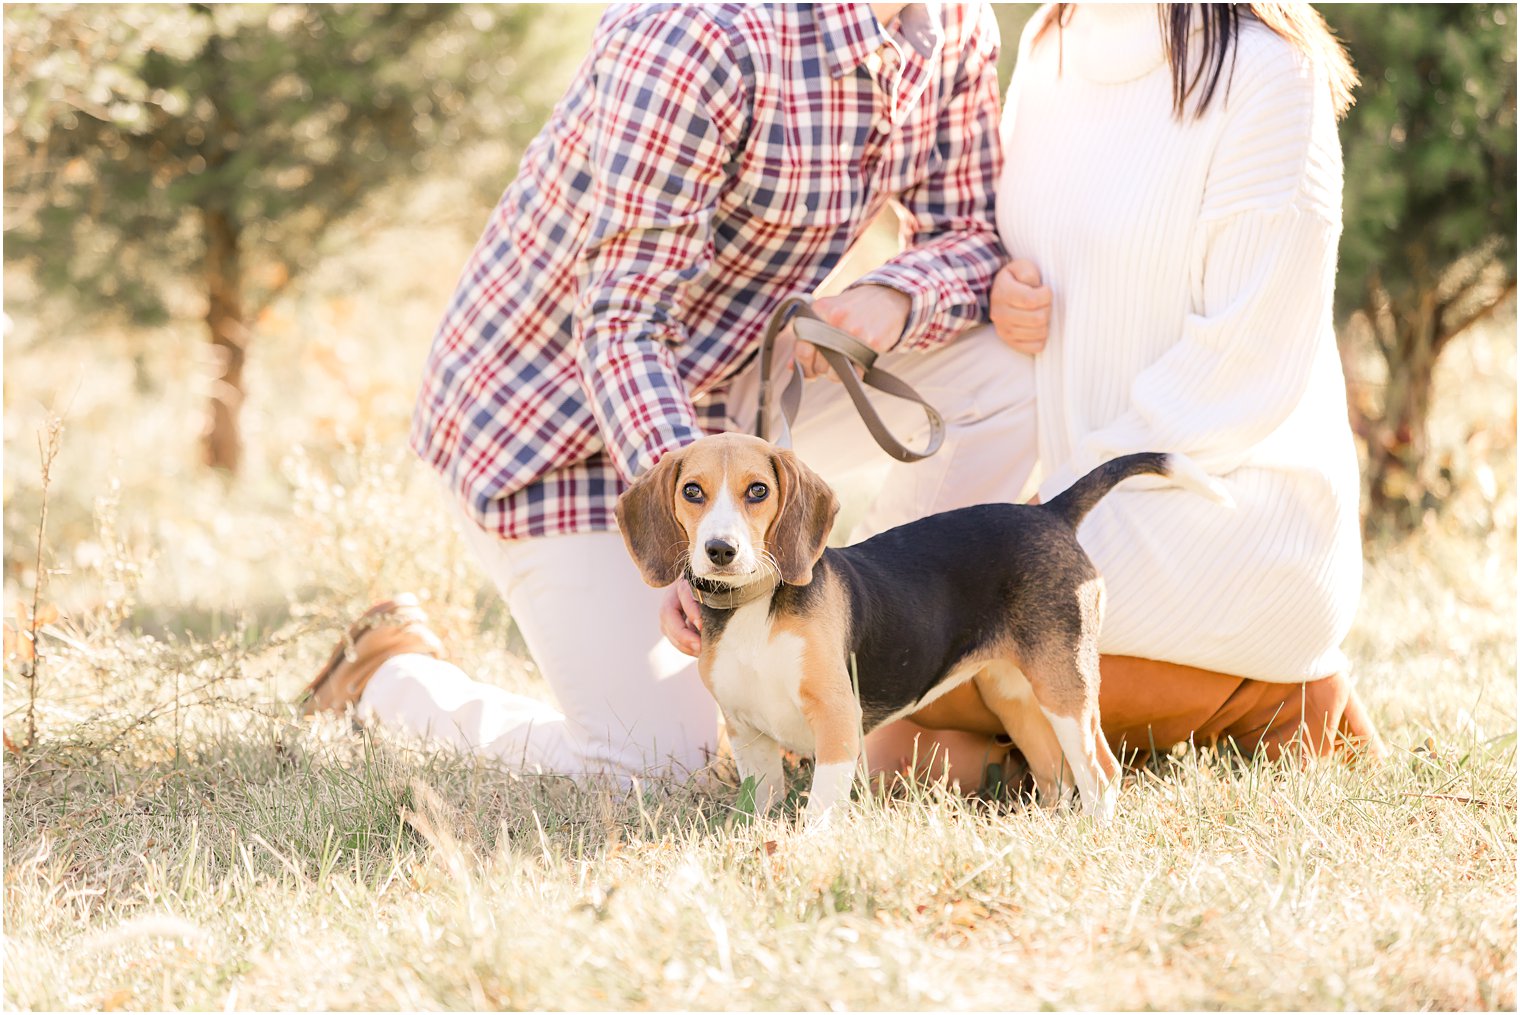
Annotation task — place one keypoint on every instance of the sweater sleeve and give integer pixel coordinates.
(1263, 279)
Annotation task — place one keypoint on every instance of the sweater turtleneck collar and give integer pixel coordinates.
(1114, 43)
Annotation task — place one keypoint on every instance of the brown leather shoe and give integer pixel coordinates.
(386, 629)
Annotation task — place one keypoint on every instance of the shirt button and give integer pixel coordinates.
(873, 64)
(884, 125)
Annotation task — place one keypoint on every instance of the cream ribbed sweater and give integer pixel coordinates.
(1193, 264)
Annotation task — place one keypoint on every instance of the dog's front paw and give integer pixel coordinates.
(756, 797)
(816, 820)
(1103, 805)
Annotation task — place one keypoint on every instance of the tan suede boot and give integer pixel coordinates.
(386, 629)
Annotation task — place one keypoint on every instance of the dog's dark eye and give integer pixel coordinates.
(692, 492)
(758, 491)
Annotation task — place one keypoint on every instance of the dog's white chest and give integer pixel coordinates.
(756, 676)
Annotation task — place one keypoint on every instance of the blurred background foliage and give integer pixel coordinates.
(1429, 245)
(216, 145)
(230, 230)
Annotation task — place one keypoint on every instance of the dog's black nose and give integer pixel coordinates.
(721, 552)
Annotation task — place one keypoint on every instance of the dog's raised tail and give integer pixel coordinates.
(1079, 498)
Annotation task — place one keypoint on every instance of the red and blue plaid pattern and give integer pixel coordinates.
(707, 162)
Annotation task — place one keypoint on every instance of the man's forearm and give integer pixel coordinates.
(947, 279)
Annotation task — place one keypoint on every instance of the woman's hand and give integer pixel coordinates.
(1021, 307)
(874, 314)
(681, 620)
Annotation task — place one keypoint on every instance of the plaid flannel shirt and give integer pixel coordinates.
(707, 162)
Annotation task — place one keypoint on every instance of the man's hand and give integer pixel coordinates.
(681, 619)
(1021, 307)
(874, 314)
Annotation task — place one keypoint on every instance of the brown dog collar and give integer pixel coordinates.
(716, 596)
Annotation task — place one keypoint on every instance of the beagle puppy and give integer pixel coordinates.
(1001, 594)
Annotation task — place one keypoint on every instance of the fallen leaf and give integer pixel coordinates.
(966, 913)
(116, 1000)
(18, 644)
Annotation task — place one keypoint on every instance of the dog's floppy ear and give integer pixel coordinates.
(646, 517)
(803, 520)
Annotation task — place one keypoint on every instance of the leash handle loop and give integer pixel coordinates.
(842, 352)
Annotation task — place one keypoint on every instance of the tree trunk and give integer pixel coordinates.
(1397, 453)
(223, 270)
(229, 339)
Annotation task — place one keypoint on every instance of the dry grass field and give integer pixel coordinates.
(175, 838)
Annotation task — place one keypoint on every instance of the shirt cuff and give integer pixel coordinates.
(920, 331)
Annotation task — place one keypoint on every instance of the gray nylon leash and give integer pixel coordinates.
(842, 352)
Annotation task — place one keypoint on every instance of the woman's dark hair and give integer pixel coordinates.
(1219, 24)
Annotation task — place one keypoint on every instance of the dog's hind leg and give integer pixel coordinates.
(1060, 659)
(1093, 765)
(1011, 698)
(1066, 688)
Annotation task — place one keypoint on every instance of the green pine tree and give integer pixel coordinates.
(147, 145)
(1429, 246)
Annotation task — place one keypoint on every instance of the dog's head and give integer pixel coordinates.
(738, 509)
